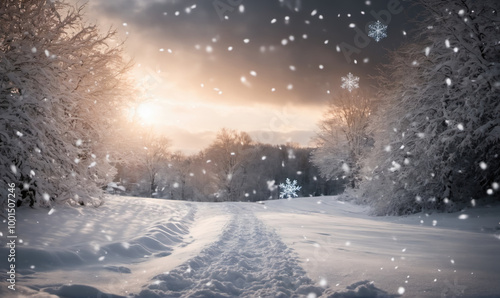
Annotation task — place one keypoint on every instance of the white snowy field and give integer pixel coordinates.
(305, 247)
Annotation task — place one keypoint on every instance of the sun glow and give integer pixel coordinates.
(147, 112)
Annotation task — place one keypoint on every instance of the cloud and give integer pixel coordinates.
(247, 72)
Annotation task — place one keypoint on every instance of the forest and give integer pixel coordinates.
(426, 138)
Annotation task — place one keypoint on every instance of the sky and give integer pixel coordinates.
(267, 67)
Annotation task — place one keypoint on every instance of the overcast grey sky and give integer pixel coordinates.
(253, 65)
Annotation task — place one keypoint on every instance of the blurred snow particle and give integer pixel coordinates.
(46, 197)
(348, 243)
(388, 148)
(78, 142)
(175, 185)
(92, 164)
(463, 216)
(460, 126)
(47, 53)
(483, 165)
(289, 87)
(311, 295)
(101, 258)
(33, 50)
(434, 223)
(284, 41)
(126, 245)
(346, 168)
(253, 73)
(427, 51)
(246, 40)
(241, 8)
(52, 210)
(448, 81)
(452, 261)
(489, 191)
(495, 185)
(323, 282)
(352, 25)
(13, 168)
(401, 290)
(264, 157)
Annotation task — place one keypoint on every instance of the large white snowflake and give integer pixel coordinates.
(350, 82)
(289, 189)
(377, 31)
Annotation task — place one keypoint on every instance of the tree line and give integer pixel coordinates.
(231, 168)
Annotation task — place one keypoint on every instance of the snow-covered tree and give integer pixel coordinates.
(438, 134)
(343, 136)
(227, 156)
(62, 87)
(289, 189)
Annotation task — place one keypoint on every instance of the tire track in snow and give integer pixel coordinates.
(248, 260)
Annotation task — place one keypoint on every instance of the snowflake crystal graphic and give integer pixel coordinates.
(377, 31)
(289, 189)
(350, 82)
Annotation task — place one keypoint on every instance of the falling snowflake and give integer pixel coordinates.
(289, 189)
(377, 31)
(350, 82)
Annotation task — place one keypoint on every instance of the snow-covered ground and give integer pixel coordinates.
(305, 247)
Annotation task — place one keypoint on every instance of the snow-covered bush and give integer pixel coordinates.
(61, 89)
(438, 135)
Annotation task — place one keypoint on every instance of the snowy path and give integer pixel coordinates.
(248, 260)
(305, 247)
